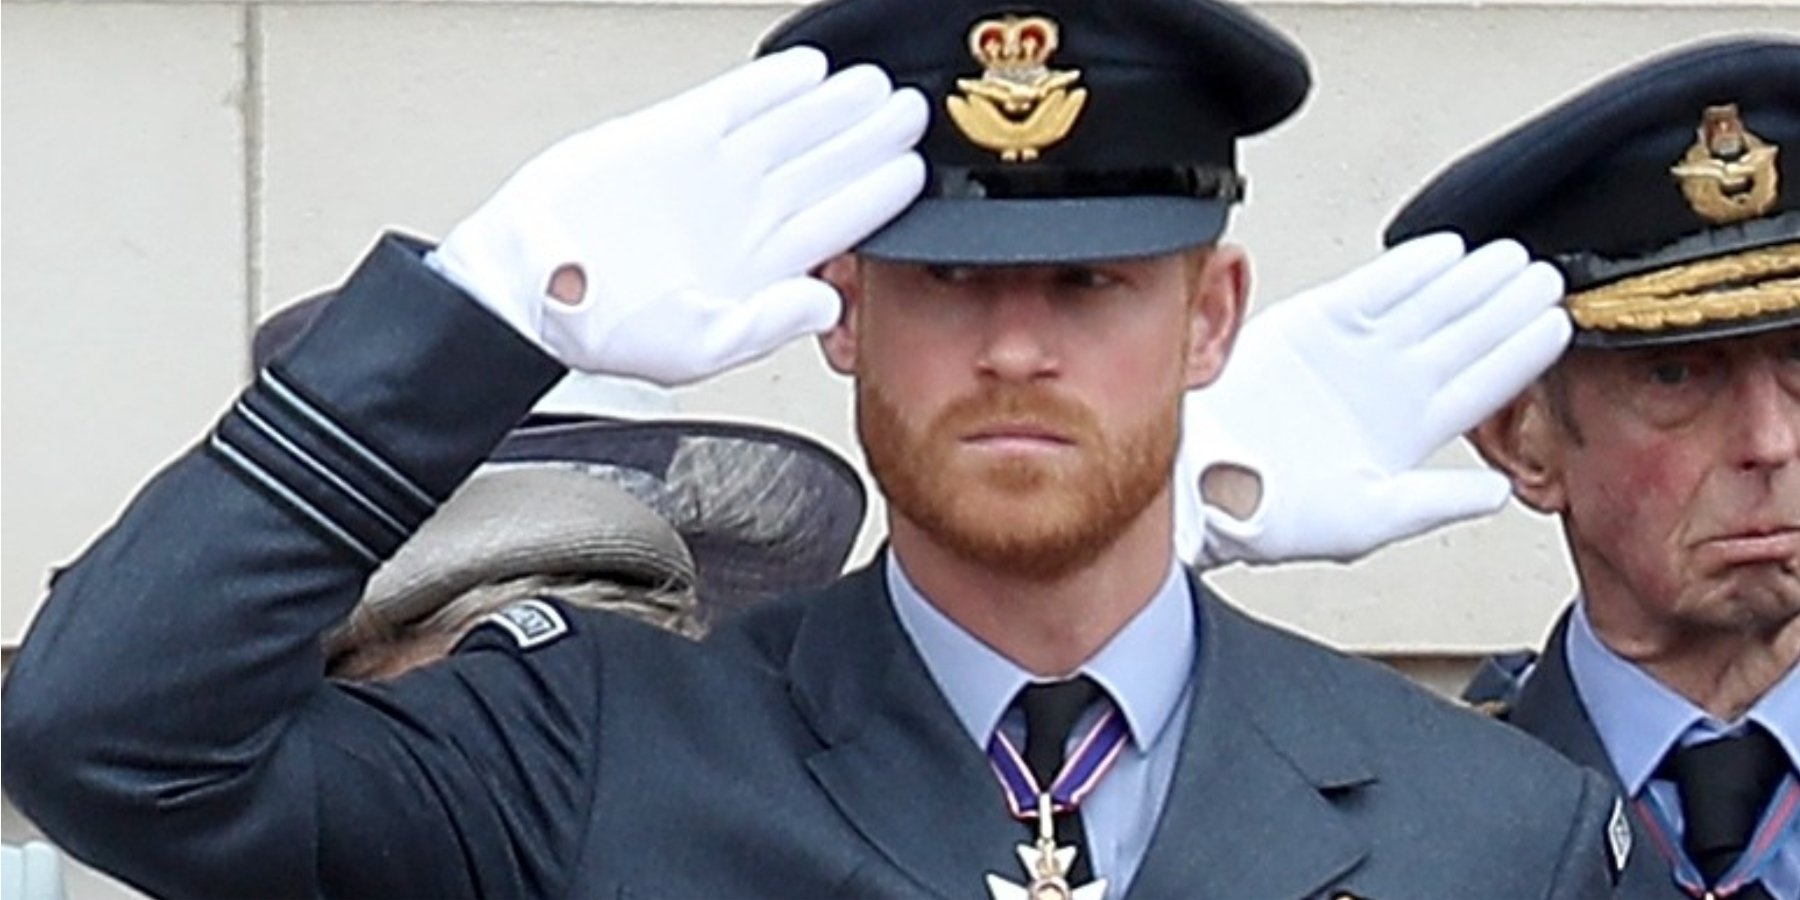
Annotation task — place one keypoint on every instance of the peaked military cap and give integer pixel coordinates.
(1066, 130)
(1667, 194)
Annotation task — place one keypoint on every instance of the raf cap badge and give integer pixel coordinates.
(1729, 174)
(1019, 105)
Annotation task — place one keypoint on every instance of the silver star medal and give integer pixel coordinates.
(1047, 867)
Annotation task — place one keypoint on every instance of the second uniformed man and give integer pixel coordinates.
(1667, 441)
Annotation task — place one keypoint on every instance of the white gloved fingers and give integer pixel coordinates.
(714, 333)
(1486, 384)
(1466, 286)
(1370, 290)
(827, 168)
(777, 135)
(1425, 499)
(740, 95)
(690, 255)
(767, 320)
(840, 221)
(1382, 366)
(687, 335)
(1516, 304)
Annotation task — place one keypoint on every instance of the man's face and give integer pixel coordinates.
(1024, 417)
(1677, 471)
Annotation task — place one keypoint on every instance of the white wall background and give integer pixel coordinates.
(173, 171)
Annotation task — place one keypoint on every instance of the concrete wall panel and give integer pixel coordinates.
(380, 115)
(363, 116)
(124, 259)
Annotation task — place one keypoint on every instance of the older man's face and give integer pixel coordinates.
(1679, 470)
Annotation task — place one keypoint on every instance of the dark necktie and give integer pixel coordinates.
(1050, 714)
(1724, 785)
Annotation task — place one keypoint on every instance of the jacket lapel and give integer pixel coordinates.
(1549, 709)
(1245, 816)
(895, 761)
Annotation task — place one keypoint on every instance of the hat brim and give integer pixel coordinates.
(516, 520)
(765, 512)
(956, 231)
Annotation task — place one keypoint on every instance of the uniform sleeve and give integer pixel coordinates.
(470, 777)
(167, 717)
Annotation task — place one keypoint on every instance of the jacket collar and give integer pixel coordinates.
(1549, 709)
(895, 760)
(1256, 757)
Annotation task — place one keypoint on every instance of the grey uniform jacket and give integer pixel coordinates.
(1549, 709)
(168, 718)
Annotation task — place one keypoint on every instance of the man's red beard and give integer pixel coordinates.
(1037, 518)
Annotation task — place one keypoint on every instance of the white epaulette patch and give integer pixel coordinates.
(532, 623)
(1618, 838)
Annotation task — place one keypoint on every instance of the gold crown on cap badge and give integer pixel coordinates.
(1019, 105)
(1729, 174)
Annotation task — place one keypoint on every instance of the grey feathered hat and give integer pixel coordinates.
(762, 511)
(513, 521)
(765, 512)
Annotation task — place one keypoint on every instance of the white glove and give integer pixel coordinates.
(693, 222)
(1336, 396)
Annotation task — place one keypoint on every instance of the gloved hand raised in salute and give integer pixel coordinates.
(673, 243)
(1335, 398)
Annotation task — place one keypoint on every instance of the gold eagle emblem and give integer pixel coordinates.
(1019, 105)
(1729, 174)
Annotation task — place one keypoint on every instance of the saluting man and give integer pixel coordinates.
(1025, 695)
(1667, 440)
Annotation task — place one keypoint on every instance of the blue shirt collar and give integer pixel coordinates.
(1144, 668)
(1779, 712)
(1639, 718)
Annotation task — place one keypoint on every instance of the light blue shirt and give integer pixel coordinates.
(1146, 669)
(1640, 719)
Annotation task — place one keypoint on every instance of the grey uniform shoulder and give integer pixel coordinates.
(1495, 686)
(1409, 719)
(1435, 745)
(1486, 796)
(766, 631)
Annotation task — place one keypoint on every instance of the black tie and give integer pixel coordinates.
(1050, 714)
(1724, 785)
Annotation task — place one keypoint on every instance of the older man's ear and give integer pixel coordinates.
(1527, 443)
